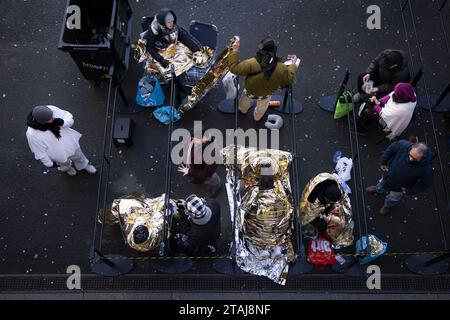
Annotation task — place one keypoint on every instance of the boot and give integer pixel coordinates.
(371, 189)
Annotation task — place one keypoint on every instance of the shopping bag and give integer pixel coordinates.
(149, 92)
(344, 105)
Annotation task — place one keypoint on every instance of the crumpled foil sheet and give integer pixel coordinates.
(376, 245)
(177, 54)
(133, 211)
(264, 222)
(339, 225)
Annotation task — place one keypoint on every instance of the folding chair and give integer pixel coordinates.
(205, 33)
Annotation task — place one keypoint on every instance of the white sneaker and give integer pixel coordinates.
(71, 172)
(90, 169)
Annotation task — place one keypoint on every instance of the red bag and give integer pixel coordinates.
(320, 252)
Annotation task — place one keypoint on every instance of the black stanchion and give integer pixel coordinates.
(415, 80)
(227, 105)
(296, 106)
(175, 262)
(438, 103)
(328, 103)
(351, 265)
(428, 264)
(111, 265)
(301, 265)
(228, 266)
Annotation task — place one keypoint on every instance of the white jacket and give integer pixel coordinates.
(397, 116)
(49, 149)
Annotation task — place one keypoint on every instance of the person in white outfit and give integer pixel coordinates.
(54, 142)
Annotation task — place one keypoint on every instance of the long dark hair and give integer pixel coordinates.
(267, 56)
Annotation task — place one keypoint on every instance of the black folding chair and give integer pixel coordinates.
(205, 33)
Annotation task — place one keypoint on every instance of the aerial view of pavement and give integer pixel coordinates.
(225, 150)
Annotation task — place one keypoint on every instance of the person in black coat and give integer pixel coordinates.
(164, 31)
(386, 70)
(407, 170)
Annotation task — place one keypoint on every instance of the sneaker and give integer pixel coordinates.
(90, 169)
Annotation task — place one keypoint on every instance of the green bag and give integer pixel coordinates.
(344, 105)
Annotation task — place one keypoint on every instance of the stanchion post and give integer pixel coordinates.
(328, 103)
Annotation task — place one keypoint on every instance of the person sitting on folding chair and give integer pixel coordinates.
(264, 74)
(393, 112)
(164, 31)
(384, 72)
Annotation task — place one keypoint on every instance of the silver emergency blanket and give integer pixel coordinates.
(264, 218)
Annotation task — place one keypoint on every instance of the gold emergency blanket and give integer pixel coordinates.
(177, 54)
(134, 211)
(339, 224)
(215, 73)
(265, 217)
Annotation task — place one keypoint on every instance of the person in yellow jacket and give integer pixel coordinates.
(264, 74)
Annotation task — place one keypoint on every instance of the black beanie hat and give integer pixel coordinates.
(333, 193)
(140, 234)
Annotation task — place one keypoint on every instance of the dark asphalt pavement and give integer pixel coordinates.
(47, 218)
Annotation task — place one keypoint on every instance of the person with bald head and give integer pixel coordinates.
(407, 170)
(53, 141)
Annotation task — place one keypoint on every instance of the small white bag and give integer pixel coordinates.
(228, 85)
(344, 168)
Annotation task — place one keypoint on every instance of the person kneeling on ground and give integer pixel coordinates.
(264, 74)
(54, 142)
(407, 170)
(394, 111)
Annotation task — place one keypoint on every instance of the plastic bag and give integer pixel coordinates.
(162, 114)
(228, 85)
(149, 92)
(320, 252)
(344, 168)
(377, 248)
(344, 105)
